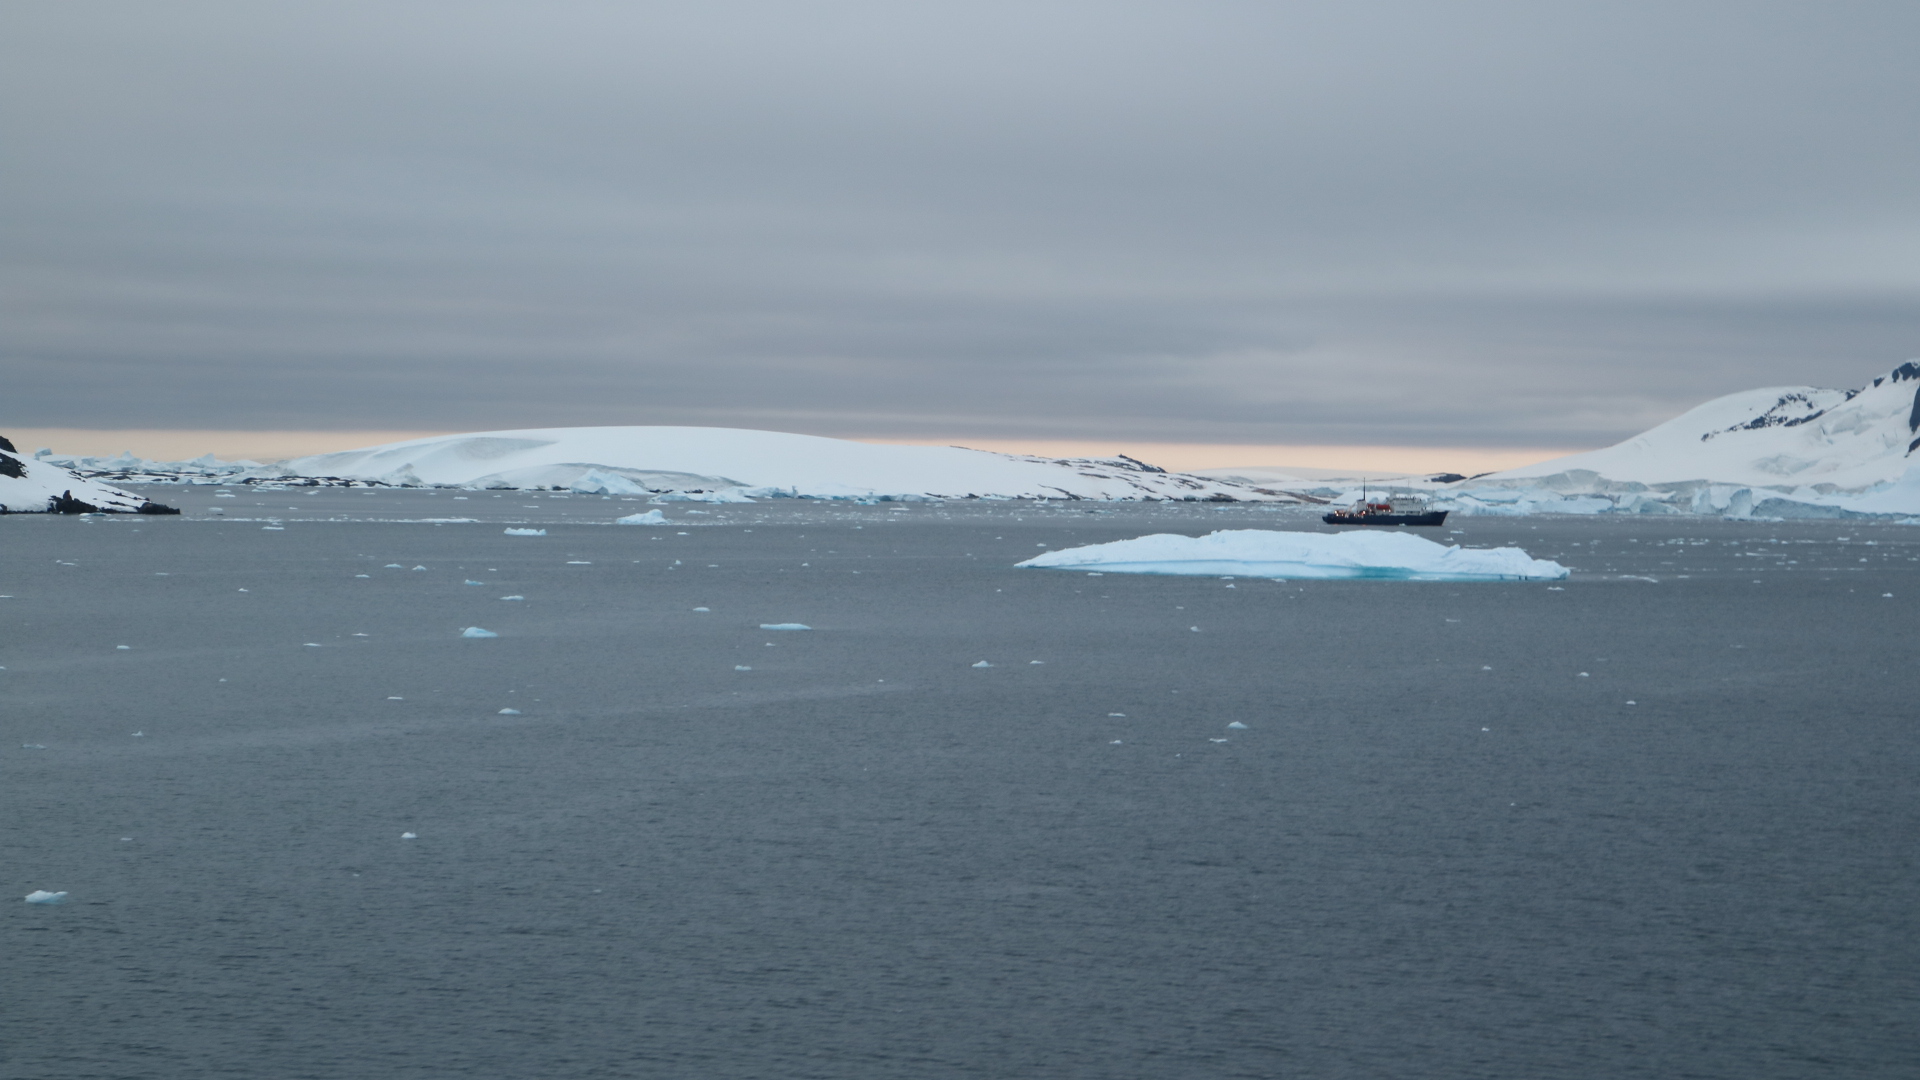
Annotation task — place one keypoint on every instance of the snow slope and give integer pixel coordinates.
(1777, 436)
(1263, 553)
(33, 486)
(738, 462)
(1787, 451)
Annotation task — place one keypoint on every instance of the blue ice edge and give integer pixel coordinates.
(1283, 571)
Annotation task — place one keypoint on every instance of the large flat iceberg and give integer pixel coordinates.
(1388, 556)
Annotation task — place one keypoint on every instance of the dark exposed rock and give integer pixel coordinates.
(10, 466)
(7, 445)
(1446, 478)
(65, 503)
(155, 508)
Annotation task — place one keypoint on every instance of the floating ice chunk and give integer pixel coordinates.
(314, 645)
(476, 632)
(526, 532)
(1121, 715)
(1115, 742)
(409, 836)
(470, 581)
(396, 699)
(509, 712)
(1195, 629)
(1216, 740)
(784, 626)
(123, 646)
(651, 517)
(139, 734)
(33, 746)
(393, 566)
(1486, 667)
(363, 575)
(1272, 553)
(1237, 726)
(703, 609)
(983, 663)
(513, 598)
(1633, 703)
(1036, 661)
(272, 528)
(741, 667)
(1584, 675)
(419, 568)
(41, 896)
(579, 562)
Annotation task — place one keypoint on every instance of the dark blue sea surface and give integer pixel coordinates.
(1655, 820)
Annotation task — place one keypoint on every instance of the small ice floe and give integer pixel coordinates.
(1633, 703)
(33, 746)
(123, 646)
(363, 575)
(476, 632)
(1036, 661)
(1887, 595)
(393, 566)
(357, 634)
(1555, 588)
(513, 598)
(273, 528)
(1115, 742)
(396, 699)
(1486, 667)
(703, 609)
(470, 581)
(579, 562)
(741, 667)
(313, 645)
(526, 532)
(245, 590)
(1195, 629)
(1584, 675)
(1236, 726)
(419, 568)
(41, 896)
(409, 836)
(139, 734)
(651, 517)
(509, 712)
(784, 626)
(1277, 554)
(1120, 715)
(1216, 740)
(983, 663)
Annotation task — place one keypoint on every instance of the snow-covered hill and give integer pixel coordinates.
(737, 463)
(33, 486)
(1778, 451)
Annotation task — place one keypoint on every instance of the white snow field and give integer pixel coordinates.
(734, 464)
(1262, 553)
(1782, 451)
(31, 485)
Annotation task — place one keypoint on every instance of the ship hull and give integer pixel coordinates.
(1432, 517)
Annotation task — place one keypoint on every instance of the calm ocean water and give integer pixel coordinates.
(1657, 820)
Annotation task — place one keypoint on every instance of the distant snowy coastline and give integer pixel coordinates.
(703, 465)
(1776, 452)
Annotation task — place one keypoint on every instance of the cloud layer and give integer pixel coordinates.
(1435, 224)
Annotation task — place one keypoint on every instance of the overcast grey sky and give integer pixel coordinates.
(1472, 224)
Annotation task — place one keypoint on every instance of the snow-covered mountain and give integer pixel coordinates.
(1780, 451)
(734, 463)
(34, 486)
